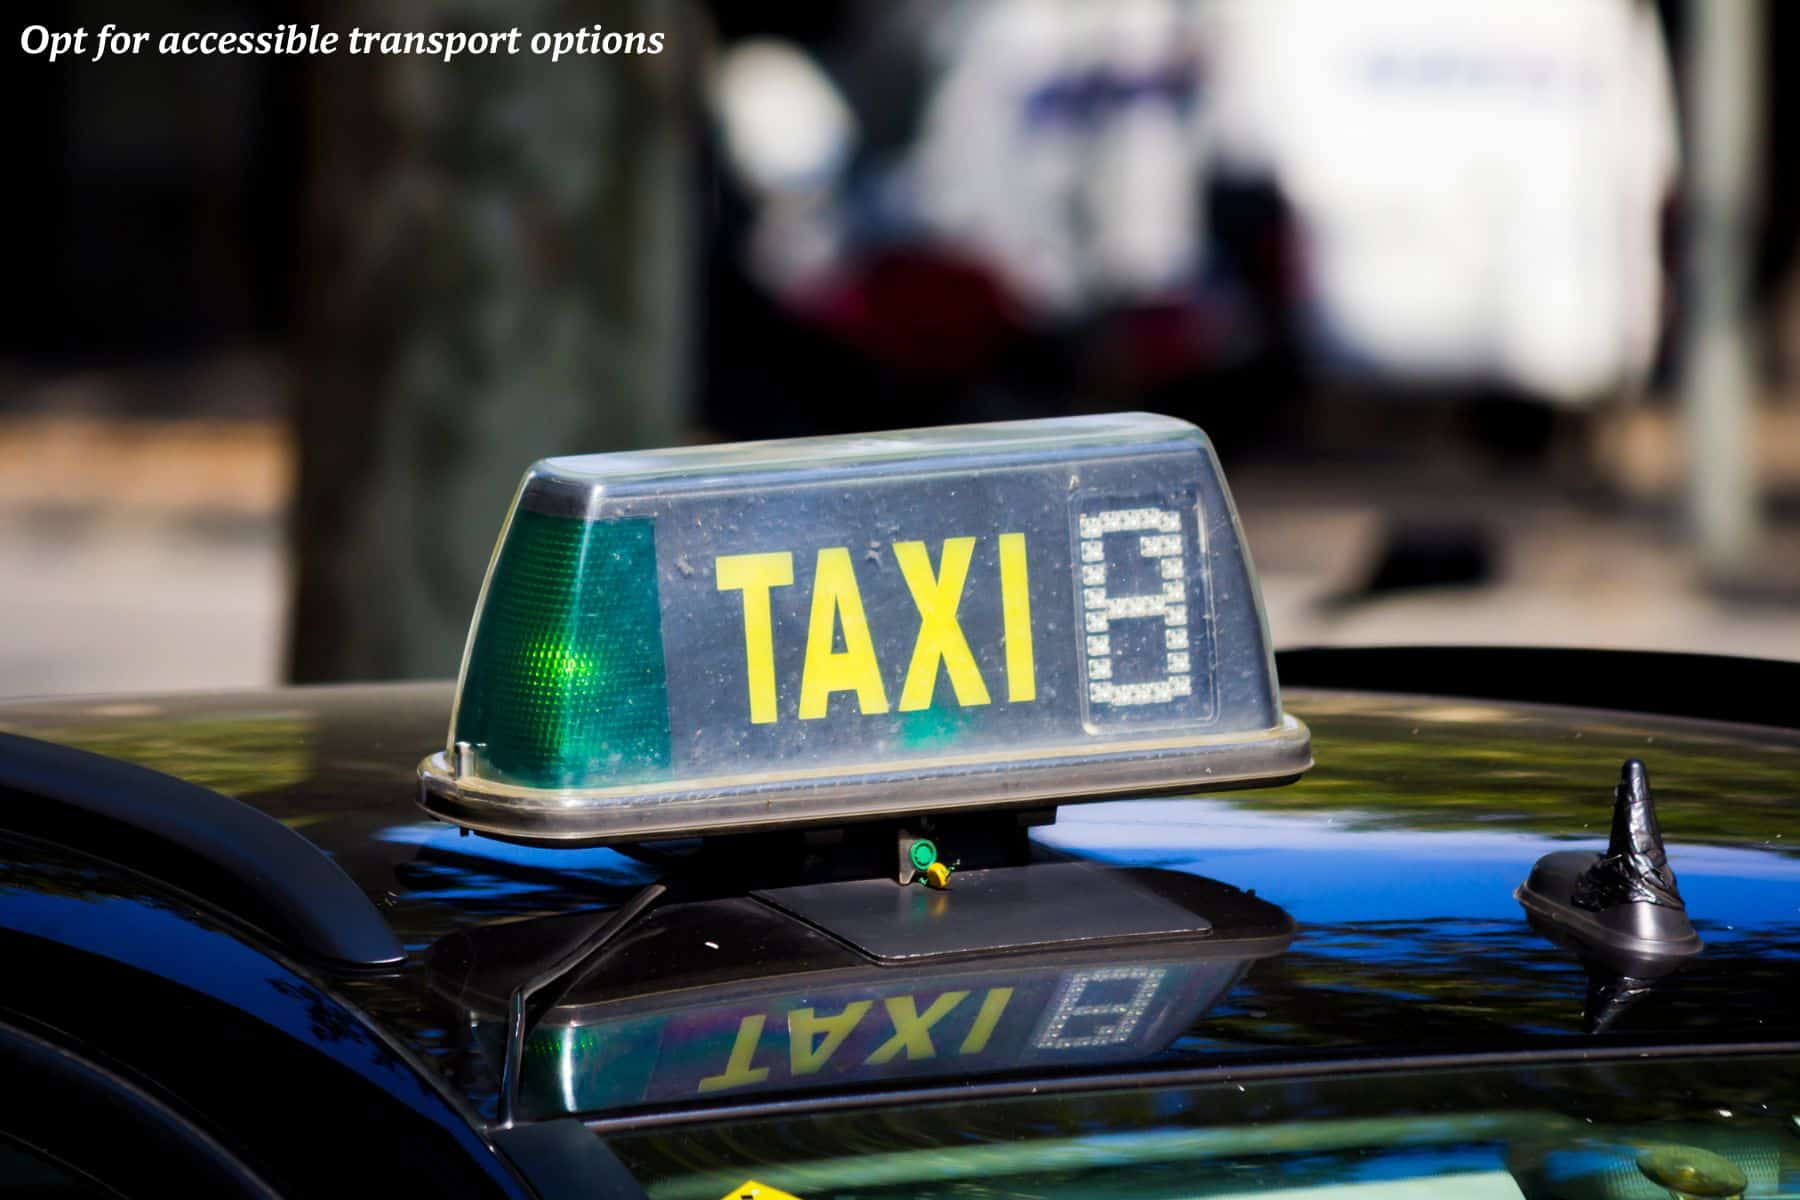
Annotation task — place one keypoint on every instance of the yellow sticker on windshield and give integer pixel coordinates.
(752, 1190)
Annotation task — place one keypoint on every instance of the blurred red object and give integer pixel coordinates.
(923, 310)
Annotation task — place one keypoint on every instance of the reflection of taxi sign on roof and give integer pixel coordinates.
(818, 986)
(785, 633)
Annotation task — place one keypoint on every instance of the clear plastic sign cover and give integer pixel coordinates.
(820, 629)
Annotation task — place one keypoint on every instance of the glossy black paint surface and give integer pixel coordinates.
(262, 1057)
(144, 1137)
(1398, 855)
(1549, 1130)
(232, 853)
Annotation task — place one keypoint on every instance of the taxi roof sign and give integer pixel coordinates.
(715, 639)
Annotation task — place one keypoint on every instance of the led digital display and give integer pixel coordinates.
(789, 632)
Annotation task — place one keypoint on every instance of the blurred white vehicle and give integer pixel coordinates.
(1478, 186)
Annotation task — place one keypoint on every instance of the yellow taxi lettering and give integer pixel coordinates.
(837, 616)
(940, 637)
(738, 1071)
(804, 1057)
(992, 1005)
(754, 575)
(837, 603)
(912, 1029)
(1015, 616)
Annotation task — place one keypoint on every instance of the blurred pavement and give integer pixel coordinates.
(1564, 574)
(140, 555)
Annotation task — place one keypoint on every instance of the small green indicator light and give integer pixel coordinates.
(923, 854)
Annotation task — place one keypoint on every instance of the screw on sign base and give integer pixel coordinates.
(916, 855)
(919, 862)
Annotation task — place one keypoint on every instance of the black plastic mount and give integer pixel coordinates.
(745, 862)
(1626, 900)
(1620, 912)
(195, 839)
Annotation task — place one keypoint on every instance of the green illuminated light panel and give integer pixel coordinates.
(565, 678)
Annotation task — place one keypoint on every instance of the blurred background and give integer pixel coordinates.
(1492, 309)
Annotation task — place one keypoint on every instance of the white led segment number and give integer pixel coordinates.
(1071, 1005)
(1159, 540)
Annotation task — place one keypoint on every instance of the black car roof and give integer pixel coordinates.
(1397, 855)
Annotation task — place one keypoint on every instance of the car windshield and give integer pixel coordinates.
(1640, 1127)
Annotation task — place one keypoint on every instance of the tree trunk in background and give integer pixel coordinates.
(1720, 384)
(495, 268)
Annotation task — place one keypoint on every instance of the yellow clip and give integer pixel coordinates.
(937, 875)
(752, 1190)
